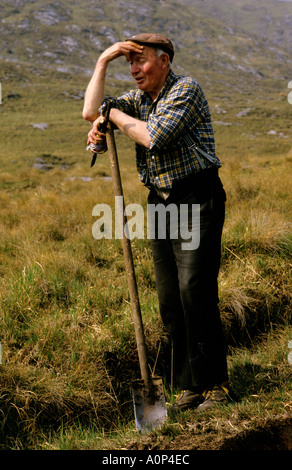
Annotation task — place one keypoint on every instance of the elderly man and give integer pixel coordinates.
(168, 118)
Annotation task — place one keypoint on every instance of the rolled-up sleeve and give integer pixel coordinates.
(170, 118)
(125, 103)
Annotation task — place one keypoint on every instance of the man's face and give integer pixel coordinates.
(148, 70)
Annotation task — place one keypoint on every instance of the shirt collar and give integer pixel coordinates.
(167, 85)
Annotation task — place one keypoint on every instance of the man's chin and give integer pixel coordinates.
(140, 84)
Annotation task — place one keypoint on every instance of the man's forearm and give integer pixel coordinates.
(135, 129)
(94, 95)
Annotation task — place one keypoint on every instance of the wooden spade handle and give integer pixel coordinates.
(130, 270)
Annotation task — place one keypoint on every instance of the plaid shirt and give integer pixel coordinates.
(179, 124)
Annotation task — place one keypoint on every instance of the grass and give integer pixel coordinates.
(261, 382)
(66, 329)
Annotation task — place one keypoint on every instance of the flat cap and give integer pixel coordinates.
(154, 40)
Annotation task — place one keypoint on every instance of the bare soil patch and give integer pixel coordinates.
(276, 434)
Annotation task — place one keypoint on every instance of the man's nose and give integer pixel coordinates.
(134, 68)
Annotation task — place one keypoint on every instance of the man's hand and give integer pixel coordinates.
(120, 49)
(95, 136)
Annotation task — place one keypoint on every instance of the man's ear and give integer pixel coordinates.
(165, 59)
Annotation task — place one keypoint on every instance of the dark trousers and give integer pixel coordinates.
(187, 284)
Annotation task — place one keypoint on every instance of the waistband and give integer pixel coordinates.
(196, 181)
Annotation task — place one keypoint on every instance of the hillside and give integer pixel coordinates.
(237, 50)
(269, 20)
(225, 38)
